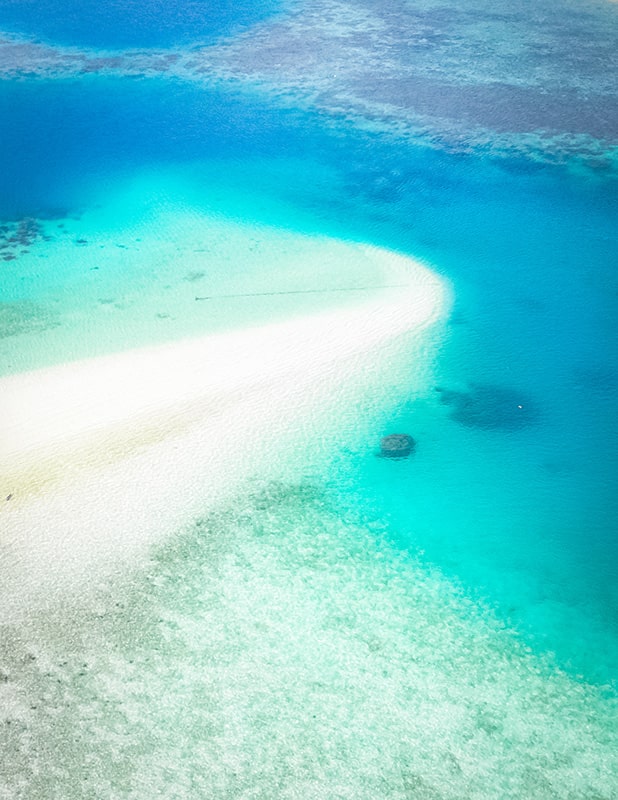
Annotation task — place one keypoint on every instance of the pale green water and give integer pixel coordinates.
(163, 257)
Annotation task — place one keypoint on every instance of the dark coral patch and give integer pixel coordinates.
(397, 445)
(489, 407)
(17, 237)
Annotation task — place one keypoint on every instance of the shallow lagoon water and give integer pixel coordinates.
(506, 522)
(531, 256)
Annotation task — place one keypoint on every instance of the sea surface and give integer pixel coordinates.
(131, 23)
(500, 532)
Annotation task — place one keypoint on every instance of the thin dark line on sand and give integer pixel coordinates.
(304, 291)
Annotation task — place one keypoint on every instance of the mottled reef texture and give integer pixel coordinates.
(495, 75)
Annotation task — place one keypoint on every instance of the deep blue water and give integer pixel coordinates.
(130, 23)
(525, 518)
(66, 135)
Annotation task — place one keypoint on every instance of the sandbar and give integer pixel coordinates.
(99, 457)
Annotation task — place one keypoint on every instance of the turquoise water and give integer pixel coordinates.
(509, 499)
(524, 514)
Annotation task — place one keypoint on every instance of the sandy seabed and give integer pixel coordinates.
(186, 614)
(101, 457)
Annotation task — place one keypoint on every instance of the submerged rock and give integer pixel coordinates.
(488, 406)
(397, 445)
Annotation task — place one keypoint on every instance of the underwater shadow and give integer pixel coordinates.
(489, 407)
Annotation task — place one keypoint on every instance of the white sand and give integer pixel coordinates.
(281, 653)
(100, 457)
(149, 276)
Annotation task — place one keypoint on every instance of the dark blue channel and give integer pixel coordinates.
(119, 24)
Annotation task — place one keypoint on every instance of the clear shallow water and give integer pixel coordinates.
(277, 647)
(513, 507)
(520, 509)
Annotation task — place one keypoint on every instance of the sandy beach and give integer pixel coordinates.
(102, 456)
